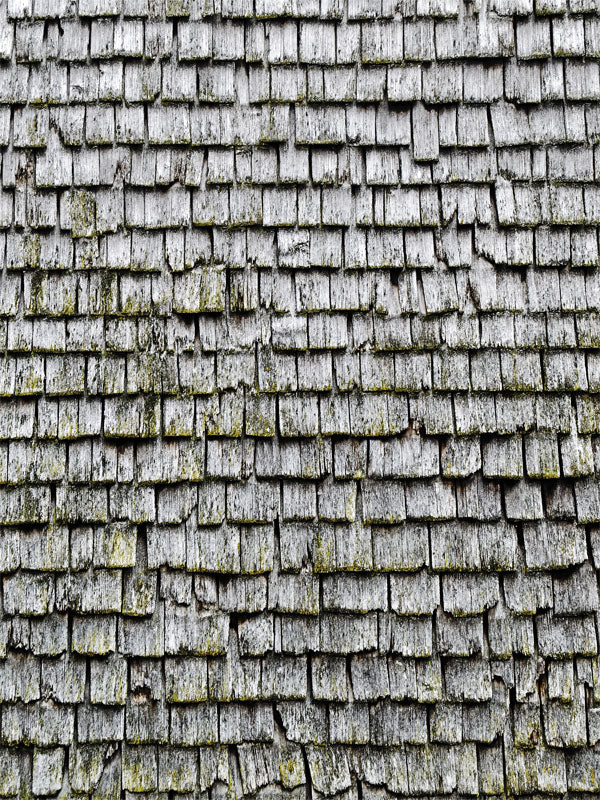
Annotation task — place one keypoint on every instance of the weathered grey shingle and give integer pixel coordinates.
(298, 417)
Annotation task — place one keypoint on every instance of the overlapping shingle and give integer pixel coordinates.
(299, 417)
